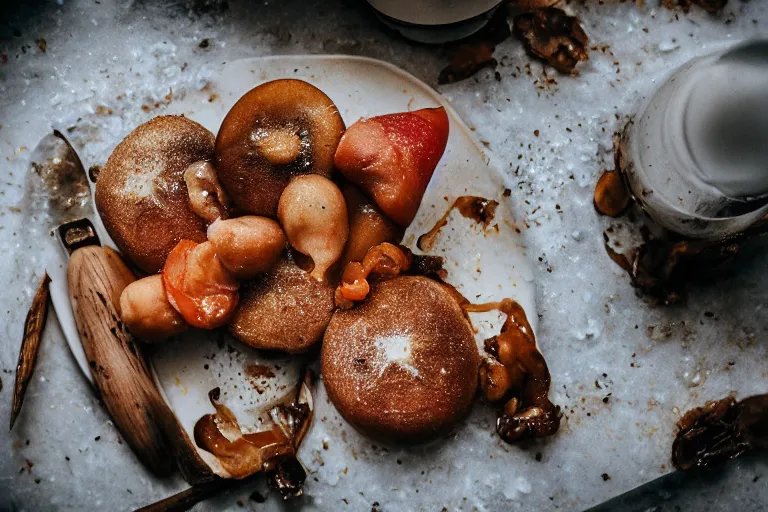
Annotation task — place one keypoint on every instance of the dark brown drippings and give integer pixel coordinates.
(475, 52)
(479, 209)
(288, 478)
(524, 389)
(612, 196)
(428, 266)
(553, 36)
(247, 453)
(721, 430)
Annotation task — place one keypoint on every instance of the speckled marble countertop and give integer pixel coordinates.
(101, 69)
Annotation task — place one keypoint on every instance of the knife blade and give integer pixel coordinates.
(56, 191)
(85, 292)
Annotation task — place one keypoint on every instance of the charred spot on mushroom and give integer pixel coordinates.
(721, 430)
(475, 52)
(711, 6)
(479, 209)
(517, 376)
(553, 36)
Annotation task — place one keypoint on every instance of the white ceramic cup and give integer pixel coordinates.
(435, 21)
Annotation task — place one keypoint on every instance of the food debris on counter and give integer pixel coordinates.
(30, 345)
(553, 36)
(474, 53)
(721, 430)
(711, 6)
(660, 263)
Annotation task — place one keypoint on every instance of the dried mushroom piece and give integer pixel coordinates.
(721, 430)
(517, 375)
(553, 36)
(30, 345)
(711, 6)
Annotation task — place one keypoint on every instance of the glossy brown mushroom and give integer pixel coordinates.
(276, 131)
(141, 194)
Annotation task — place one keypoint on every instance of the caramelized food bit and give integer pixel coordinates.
(711, 6)
(247, 246)
(403, 365)
(611, 194)
(314, 215)
(721, 430)
(494, 380)
(531, 415)
(382, 261)
(553, 36)
(198, 286)
(146, 311)
(206, 197)
(276, 131)
(367, 226)
(283, 309)
(288, 478)
(141, 195)
(242, 454)
(392, 158)
(662, 267)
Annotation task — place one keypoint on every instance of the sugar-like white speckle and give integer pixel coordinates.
(395, 349)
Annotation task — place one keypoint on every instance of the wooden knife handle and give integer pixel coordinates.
(97, 277)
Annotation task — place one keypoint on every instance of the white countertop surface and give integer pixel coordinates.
(104, 61)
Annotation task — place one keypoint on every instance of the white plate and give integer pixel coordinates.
(484, 264)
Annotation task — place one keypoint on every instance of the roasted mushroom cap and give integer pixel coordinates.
(284, 309)
(403, 365)
(141, 195)
(277, 130)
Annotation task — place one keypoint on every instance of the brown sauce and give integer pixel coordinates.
(479, 209)
(247, 453)
(524, 390)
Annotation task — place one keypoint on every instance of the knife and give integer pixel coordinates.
(85, 291)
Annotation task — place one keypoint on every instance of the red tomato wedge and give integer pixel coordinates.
(392, 158)
(198, 286)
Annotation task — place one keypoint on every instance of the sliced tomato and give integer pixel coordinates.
(198, 286)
